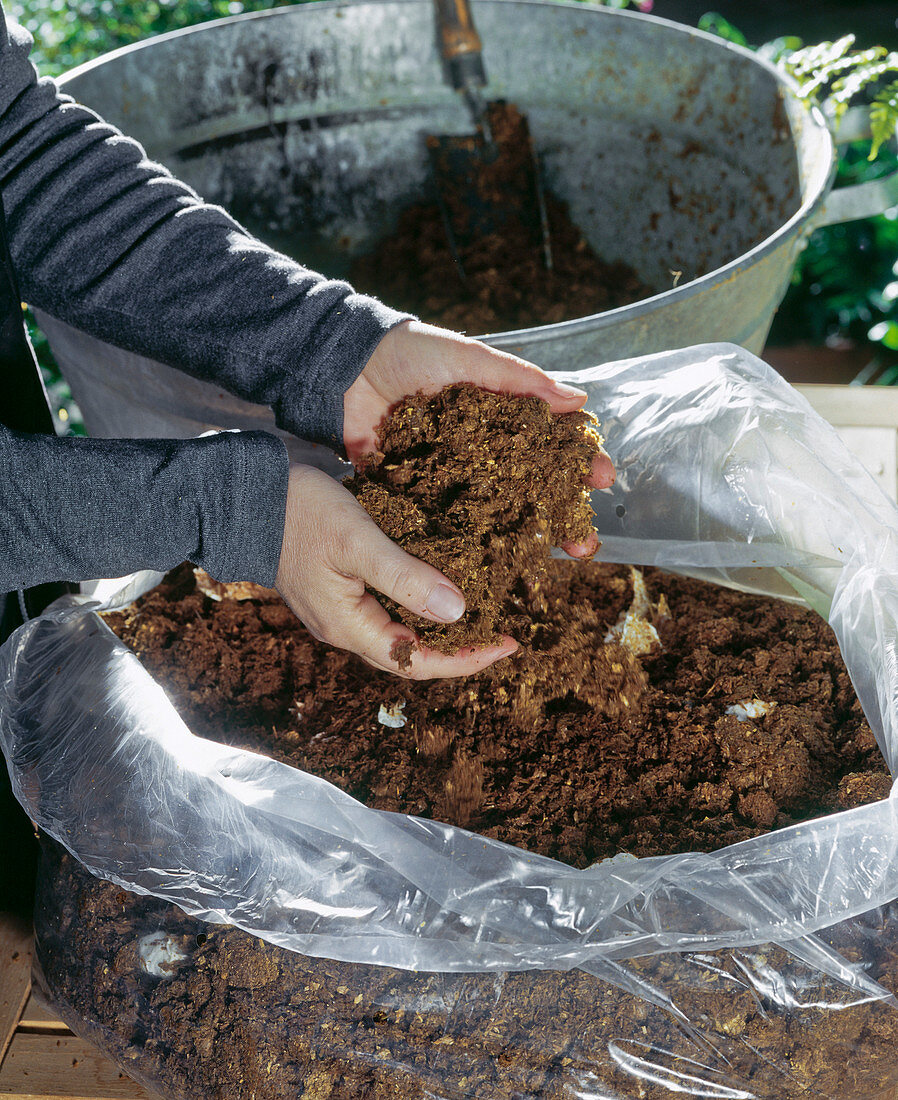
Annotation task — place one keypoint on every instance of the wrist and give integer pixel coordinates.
(246, 543)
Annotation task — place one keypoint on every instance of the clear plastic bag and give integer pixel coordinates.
(724, 473)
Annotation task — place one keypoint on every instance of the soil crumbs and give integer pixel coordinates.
(506, 285)
(642, 713)
(741, 719)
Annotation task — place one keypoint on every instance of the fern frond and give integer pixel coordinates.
(868, 70)
(847, 65)
(883, 117)
(834, 73)
(812, 58)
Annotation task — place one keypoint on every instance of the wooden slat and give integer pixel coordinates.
(64, 1067)
(37, 1018)
(15, 976)
(35, 1096)
(854, 406)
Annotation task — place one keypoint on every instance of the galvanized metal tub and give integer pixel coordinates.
(687, 157)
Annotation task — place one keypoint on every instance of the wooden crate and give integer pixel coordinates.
(40, 1059)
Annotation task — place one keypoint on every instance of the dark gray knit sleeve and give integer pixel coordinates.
(111, 243)
(76, 509)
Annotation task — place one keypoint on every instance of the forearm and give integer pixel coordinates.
(75, 509)
(112, 244)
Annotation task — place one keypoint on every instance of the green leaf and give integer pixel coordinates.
(846, 73)
(715, 23)
(883, 117)
(821, 56)
(845, 69)
(871, 65)
(779, 50)
(885, 333)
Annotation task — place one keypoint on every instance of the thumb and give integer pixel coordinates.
(407, 580)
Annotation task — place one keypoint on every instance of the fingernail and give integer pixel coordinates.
(445, 603)
(563, 390)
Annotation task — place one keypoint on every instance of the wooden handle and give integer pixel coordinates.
(460, 45)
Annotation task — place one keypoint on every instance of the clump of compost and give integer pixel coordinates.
(480, 485)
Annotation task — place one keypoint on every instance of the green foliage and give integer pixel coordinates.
(845, 284)
(887, 333)
(714, 23)
(779, 48)
(67, 34)
(832, 74)
(883, 117)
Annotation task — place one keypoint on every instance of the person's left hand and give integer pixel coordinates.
(414, 357)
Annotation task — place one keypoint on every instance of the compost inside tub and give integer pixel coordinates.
(505, 285)
(498, 280)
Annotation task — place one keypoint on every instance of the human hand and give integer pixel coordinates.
(331, 550)
(416, 357)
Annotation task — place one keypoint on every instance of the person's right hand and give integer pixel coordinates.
(331, 550)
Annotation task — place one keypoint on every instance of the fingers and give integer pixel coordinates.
(532, 382)
(405, 579)
(416, 356)
(333, 552)
(603, 474)
(377, 635)
(502, 372)
(421, 589)
(428, 664)
(582, 549)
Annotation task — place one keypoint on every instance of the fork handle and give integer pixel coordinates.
(460, 45)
